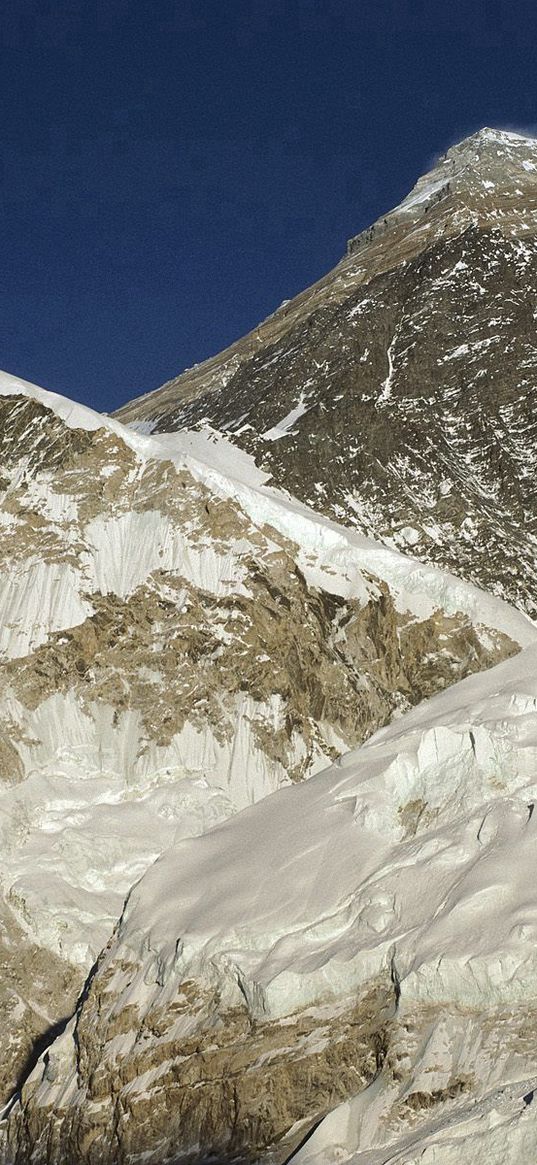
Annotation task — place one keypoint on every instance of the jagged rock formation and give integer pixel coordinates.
(168, 657)
(398, 393)
(183, 644)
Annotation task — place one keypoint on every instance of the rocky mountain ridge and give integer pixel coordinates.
(397, 394)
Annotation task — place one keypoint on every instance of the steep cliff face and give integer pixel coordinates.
(370, 932)
(398, 394)
(176, 643)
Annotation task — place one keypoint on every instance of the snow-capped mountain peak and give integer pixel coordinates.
(267, 833)
(397, 394)
(489, 178)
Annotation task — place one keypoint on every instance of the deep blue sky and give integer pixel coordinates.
(173, 169)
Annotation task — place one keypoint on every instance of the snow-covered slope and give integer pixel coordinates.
(338, 969)
(177, 640)
(398, 393)
(374, 926)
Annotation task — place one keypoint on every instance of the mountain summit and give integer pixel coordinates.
(492, 176)
(398, 393)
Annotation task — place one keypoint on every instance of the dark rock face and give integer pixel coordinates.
(30, 435)
(398, 395)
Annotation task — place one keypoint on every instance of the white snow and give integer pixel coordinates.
(284, 428)
(414, 853)
(358, 309)
(460, 350)
(36, 598)
(334, 848)
(333, 556)
(123, 550)
(409, 535)
(498, 1129)
(75, 415)
(386, 388)
(101, 801)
